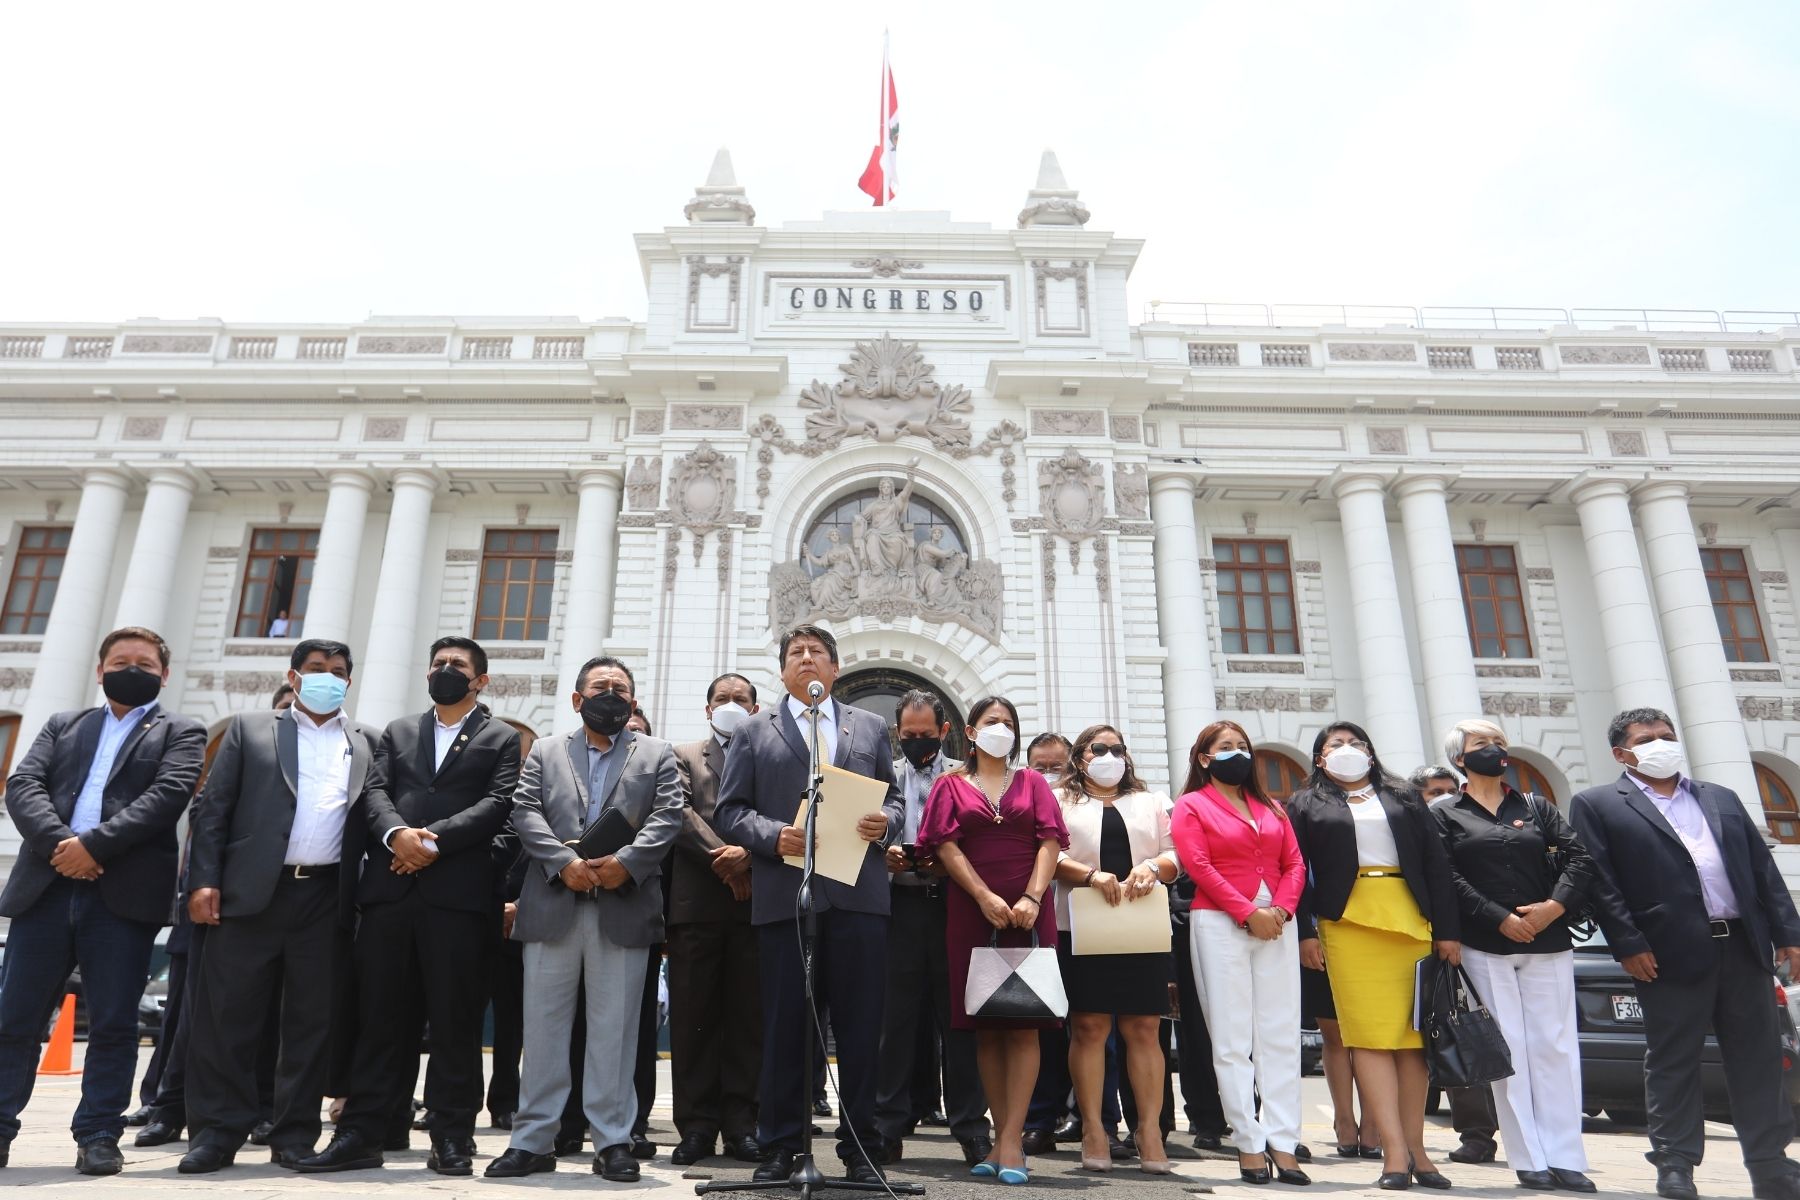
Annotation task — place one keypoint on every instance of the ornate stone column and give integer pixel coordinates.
(1710, 724)
(587, 612)
(333, 596)
(1634, 654)
(150, 577)
(1390, 704)
(1452, 692)
(1189, 703)
(387, 684)
(63, 675)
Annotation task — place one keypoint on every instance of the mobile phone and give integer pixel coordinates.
(910, 850)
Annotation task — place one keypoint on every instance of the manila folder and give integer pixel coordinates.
(849, 798)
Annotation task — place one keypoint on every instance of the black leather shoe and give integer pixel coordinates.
(779, 1165)
(141, 1116)
(1119, 1150)
(99, 1157)
(570, 1145)
(1394, 1181)
(1781, 1187)
(1538, 1180)
(642, 1147)
(977, 1149)
(259, 1133)
(617, 1164)
(1575, 1181)
(5, 1152)
(863, 1171)
(1302, 1152)
(157, 1133)
(502, 1120)
(1039, 1141)
(744, 1149)
(516, 1164)
(204, 1160)
(934, 1119)
(891, 1151)
(691, 1149)
(1676, 1182)
(1474, 1150)
(1069, 1130)
(398, 1142)
(452, 1156)
(347, 1151)
(287, 1157)
(821, 1108)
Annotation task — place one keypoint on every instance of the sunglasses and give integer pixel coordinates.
(1099, 751)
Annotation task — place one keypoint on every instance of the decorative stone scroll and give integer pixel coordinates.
(1273, 700)
(166, 343)
(647, 421)
(721, 417)
(1072, 494)
(1626, 443)
(1371, 352)
(143, 429)
(400, 345)
(1069, 422)
(1605, 356)
(887, 391)
(887, 267)
(702, 490)
(1515, 704)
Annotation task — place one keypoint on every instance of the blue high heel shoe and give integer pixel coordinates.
(1015, 1175)
(984, 1170)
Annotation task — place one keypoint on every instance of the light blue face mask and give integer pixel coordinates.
(322, 693)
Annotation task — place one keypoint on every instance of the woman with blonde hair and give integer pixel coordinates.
(1119, 845)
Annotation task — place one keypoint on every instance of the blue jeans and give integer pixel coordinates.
(71, 926)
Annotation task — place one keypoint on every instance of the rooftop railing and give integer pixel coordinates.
(1375, 316)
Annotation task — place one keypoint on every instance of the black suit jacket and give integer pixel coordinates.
(246, 812)
(466, 802)
(152, 779)
(1327, 835)
(695, 893)
(1647, 889)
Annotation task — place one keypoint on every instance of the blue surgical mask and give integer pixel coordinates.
(322, 693)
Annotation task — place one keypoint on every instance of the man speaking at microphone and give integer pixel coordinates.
(759, 801)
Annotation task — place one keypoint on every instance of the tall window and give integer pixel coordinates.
(1281, 776)
(1778, 805)
(37, 568)
(1526, 778)
(1256, 597)
(9, 739)
(1493, 602)
(518, 574)
(1734, 604)
(277, 581)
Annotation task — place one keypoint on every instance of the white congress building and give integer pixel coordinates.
(950, 442)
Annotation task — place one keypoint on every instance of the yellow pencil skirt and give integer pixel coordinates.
(1370, 956)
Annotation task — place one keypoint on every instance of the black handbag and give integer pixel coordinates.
(1556, 860)
(1463, 1043)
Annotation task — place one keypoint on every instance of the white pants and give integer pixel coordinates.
(1250, 993)
(1532, 997)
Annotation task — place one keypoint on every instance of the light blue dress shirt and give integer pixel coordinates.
(90, 804)
(603, 768)
(1682, 811)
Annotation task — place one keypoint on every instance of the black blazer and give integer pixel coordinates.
(152, 779)
(695, 893)
(1327, 835)
(246, 811)
(465, 802)
(1647, 889)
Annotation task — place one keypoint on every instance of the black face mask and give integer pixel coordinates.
(133, 687)
(606, 713)
(920, 751)
(1235, 770)
(1489, 760)
(447, 685)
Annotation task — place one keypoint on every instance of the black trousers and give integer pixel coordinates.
(167, 1097)
(851, 969)
(1199, 1083)
(644, 1075)
(1736, 998)
(173, 1004)
(406, 951)
(1472, 1112)
(715, 1028)
(506, 992)
(295, 948)
(918, 999)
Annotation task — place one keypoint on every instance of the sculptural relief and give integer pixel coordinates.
(643, 482)
(887, 391)
(1071, 494)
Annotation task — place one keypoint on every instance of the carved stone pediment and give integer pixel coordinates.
(1072, 494)
(887, 391)
(702, 489)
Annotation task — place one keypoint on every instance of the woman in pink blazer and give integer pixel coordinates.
(1238, 847)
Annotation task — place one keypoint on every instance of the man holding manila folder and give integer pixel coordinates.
(759, 804)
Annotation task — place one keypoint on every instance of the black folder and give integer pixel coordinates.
(609, 834)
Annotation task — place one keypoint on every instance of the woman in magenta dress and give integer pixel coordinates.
(997, 829)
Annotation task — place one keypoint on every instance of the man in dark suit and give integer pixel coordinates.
(96, 800)
(272, 873)
(759, 798)
(715, 1018)
(1694, 908)
(440, 793)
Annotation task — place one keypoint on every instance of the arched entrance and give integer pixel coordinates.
(879, 689)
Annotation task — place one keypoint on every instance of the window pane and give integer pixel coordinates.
(1275, 552)
(1484, 618)
(1506, 585)
(50, 568)
(1737, 589)
(1259, 643)
(1233, 641)
(1281, 612)
(540, 602)
(515, 601)
(1477, 584)
(1514, 619)
(1254, 617)
(1251, 583)
(1278, 581)
(540, 629)
(1286, 643)
(1228, 613)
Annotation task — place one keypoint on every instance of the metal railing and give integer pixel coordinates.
(1647, 320)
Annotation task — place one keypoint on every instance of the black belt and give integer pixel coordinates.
(931, 889)
(1727, 927)
(320, 871)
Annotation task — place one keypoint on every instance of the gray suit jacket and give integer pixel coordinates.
(550, 810)
(245, 813)
(759, 793)
(695, 893)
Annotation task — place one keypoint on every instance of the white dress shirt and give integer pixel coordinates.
(1375, 845)
(90, 804)
(828, 730)
(323, 797)
(1682, 811)
(446, 734)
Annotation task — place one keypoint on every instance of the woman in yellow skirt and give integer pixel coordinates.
(1378, 898)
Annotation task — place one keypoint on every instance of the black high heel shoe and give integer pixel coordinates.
(1253, 1174)
(1427, 1179)
(1292, 1176)
(1394, 1181)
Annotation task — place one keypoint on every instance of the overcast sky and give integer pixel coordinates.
(318, 162)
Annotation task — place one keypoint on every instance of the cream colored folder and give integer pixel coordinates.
(1138, 926)
(849, 798)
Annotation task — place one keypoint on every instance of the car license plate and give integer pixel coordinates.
(1627, 1008)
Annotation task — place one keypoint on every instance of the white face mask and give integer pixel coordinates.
(1347, 764)
(995, 740)
(727, 717)
(1053, 778)
(1106, 771)
(1661, 759)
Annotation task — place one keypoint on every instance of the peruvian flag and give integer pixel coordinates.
(882, 173)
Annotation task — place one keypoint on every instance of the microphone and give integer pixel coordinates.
(815, 691)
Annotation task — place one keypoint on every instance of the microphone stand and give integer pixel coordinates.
(806, 1178)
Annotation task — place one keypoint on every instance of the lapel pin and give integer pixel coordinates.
(1518, 824)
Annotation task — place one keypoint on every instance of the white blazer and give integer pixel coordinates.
(1146, 821)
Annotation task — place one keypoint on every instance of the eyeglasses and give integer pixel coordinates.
(1352, 743)
(1098, 750)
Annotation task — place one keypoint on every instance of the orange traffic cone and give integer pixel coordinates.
(60, 1054)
